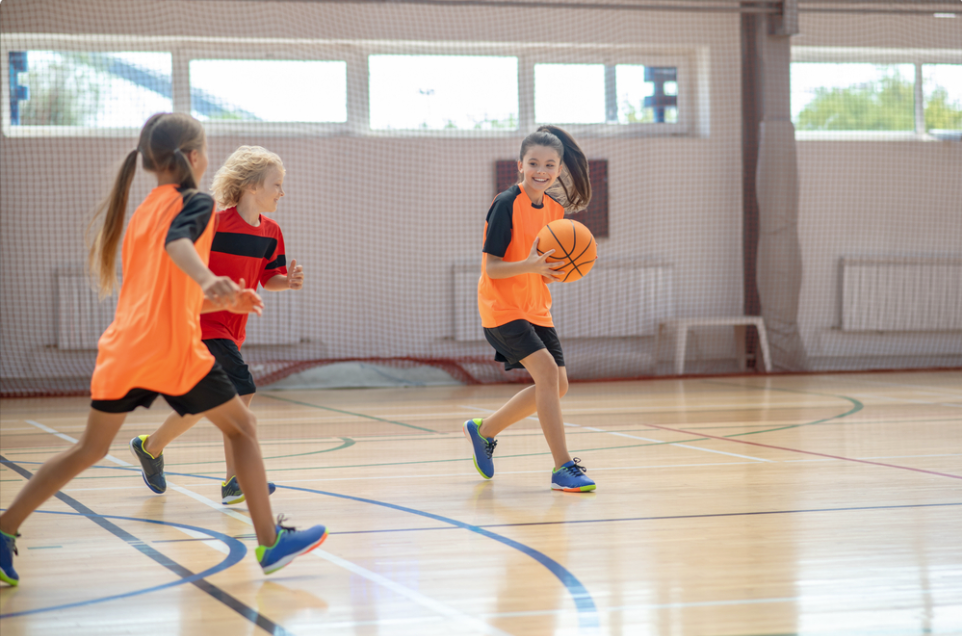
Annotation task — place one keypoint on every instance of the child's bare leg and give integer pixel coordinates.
(172, 428)
(547, 389)
(59, 470)
(522, 405)
(239, 425)
(228, 453)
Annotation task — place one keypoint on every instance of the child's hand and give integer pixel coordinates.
(540, 266)
(221, 291)
(248, 302)
(295, 276)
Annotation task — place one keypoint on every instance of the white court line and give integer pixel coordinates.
(67, 438)
(417, 597)
(644, 439)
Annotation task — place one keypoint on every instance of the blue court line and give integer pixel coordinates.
(237, 552)
(587, 611)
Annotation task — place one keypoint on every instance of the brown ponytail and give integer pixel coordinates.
(575, 183)
(163, 141)
(103, 250)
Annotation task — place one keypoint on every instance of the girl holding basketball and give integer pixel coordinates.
(153, 346)
(247, 246)
(514, 300)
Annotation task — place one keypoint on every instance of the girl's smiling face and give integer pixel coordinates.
(541, 167)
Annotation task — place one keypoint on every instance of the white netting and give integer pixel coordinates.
(391, 119)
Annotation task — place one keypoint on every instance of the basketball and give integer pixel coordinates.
(573, 244)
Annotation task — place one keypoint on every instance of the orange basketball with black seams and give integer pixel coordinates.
(573, 245)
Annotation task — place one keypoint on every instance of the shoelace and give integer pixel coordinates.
(489, 447)
(280, 523)
(576, 469)
(13, 544)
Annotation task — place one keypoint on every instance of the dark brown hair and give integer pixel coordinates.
(164, 141)
(577, 187)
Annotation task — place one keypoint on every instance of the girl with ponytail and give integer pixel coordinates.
(515, 303)
(153, 347)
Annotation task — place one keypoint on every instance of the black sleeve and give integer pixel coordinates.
(193, 218)
(500, 225)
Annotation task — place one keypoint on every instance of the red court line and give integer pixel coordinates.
(805, 452)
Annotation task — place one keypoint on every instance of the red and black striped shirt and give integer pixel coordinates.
(241, 250)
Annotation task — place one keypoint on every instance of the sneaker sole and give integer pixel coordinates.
(290, 557)
(6, 579)
(464, 429)
(580, 489)
(142, 473)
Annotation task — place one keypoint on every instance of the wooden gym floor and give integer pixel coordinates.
(815, 504)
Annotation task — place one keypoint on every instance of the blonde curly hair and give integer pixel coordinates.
(246, 167)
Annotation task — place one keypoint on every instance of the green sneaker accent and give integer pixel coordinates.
(143, 446)
(261, 549)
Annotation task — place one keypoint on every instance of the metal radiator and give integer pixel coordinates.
(82, 317)
(615, 300)
(901, 294)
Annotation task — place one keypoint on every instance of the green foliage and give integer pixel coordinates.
(638, 115)
(941, 113)
(511, 123)
(62, 93)
(885, 104)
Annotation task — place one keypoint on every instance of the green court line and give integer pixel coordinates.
(370, 417)
(857, 406)
(346, 442)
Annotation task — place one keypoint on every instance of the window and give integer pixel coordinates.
(599, 94)
(443, 92)
(334, 87)
(569, 93)
(291, 90)
(646, 94)
(88, 89)
(853, 96)
(942, 88)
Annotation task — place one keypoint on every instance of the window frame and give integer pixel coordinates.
(693, 109)
(875, 55)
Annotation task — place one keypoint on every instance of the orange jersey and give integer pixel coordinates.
(509, 231)
(154, 341)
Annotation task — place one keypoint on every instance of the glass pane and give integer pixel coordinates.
(284, 90)
(942, 85)
(569, 93)
(443, 92)
(91, 90)
(646, 95)
(853, 96)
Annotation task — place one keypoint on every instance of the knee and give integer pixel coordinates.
(245, 427)
(562, 386)
(91, 452)
(548, 377)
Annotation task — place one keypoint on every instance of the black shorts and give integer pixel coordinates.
(226, 352)
(518, 339)
(214, 389)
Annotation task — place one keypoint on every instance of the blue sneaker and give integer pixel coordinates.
(152, 468)
(230, 491)
(289, 545)
(571, 478)
(481, 447)
(8, 548)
